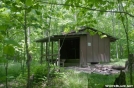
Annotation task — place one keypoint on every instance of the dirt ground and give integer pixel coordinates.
(104, 69)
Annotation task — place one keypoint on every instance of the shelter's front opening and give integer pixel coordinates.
(70, 51)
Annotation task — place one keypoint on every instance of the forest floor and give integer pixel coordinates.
(100, 69)
(73, 77)
(103, 68)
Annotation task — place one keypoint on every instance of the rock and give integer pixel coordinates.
(108, 66)
(111, 70)
(104, 69)
(118, 67)
(98, 66)
(84, 66)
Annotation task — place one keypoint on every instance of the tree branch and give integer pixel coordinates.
(88, 8)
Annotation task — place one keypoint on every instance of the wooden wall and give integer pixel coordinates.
(107, 50)
(95, 45)
(95, 49)
(102, 50)
(90, 49)
(83, 50)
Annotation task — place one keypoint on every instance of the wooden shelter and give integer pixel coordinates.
(82, 47)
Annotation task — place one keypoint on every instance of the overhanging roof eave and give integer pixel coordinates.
(57, 37)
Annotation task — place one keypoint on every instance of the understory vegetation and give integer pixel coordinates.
(58, 78)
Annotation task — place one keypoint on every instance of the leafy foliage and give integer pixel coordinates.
(41, 73)
(14, 70)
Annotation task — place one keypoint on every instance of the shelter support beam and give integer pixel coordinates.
(59, 53)
(41, 53)
(52, 52)
(46, 52)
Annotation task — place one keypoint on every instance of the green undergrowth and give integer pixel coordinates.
(74, 79)
(69, 79)
(120, 62)
(14, 69)
(99, 80)
(63, 78)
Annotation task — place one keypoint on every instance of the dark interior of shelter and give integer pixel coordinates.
(70, 50)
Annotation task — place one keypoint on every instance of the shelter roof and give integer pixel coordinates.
(75, 34)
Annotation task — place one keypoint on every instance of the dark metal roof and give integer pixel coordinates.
(74, 34)
(112, 39)
(57, 37)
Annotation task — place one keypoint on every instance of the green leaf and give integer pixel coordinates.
(9, 50)
(3, 60)
(29, 9)
(66, 30)
(103, 36)
(29, 2)
(10, 41)
(99, 33)
(91, 32)
(1, 37)
(67, 1)
(2, 27)
(38, 12)
(23, 1)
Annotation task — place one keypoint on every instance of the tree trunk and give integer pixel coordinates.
(6, 69)
(26, 47)
(28, 34)
(117, 55)
(125, 25)
(121, 50)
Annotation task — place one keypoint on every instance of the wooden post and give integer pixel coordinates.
(59, 48)
(46, 52)
(131, 57)
(41, 53)
(52, 53)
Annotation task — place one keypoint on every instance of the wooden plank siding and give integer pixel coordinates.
(83, 50)
(99, 51)
(107, 50)
(95, 46)
(89, 49)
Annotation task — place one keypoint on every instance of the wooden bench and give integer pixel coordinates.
(62, 61)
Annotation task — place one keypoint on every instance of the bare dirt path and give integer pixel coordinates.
(97, 68)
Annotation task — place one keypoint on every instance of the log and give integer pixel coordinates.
(118, 67)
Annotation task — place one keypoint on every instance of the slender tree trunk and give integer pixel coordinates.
(48, 58)
(28, 34)
(121, 50)
(125, 25)
(117, 54)
(6, 69)
(48, 35)
(27, 51)
(22, 62)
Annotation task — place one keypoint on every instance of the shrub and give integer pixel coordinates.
(14, 69)
(40, 73)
